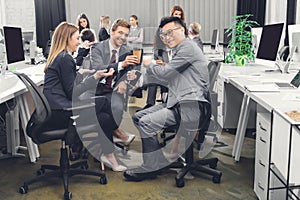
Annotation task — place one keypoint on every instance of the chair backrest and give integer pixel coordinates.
(213, 69)
(42, 109)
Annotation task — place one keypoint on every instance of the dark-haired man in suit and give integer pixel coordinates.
(188, 103)
(112, 53)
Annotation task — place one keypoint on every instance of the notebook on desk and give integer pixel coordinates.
(293, 84)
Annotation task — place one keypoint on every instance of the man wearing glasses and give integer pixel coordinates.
(187, 78)
(112, 53)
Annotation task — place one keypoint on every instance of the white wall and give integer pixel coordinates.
(18, 13)
(210, 14)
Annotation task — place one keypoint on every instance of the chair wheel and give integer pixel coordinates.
(213, 165)
(23, 189)
(84, 166)
(68, 196)
(216, 179)
(179, 183)
(40, 172)
(103, 180)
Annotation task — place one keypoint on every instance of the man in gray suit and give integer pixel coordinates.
(187, 78)
(112, 53)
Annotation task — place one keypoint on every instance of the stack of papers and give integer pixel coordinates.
(262, 88)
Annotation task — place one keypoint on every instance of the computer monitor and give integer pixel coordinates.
(226, 38)
(256, 32)
(13, 44)
(268, 45)
(27, 36)
(215, 40)
(294, 42)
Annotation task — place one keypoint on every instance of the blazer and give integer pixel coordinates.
(198, 42)
(186, 75)
(103, 34)
(100, 59)
(62, 83)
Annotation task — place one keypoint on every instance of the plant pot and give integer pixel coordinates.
(240, 60)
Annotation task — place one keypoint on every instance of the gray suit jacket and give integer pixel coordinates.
(186, 75)
(100, 59)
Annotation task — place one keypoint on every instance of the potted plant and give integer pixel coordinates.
(240, 44)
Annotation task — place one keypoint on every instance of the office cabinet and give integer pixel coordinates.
(263, 130)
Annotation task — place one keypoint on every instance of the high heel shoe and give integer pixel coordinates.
(130, 139)
(105, 161)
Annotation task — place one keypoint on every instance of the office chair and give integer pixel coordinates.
(187, 163)
(209, 124)
(34, 127)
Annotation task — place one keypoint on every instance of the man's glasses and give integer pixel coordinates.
(168, 33)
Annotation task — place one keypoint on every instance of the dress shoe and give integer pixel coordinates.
(105, 161)
(145, 107)
(139, 174)
(125, 142)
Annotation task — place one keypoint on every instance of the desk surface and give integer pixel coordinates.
(11, 86)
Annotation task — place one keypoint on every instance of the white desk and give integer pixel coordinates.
(266, 102)
(11, 87)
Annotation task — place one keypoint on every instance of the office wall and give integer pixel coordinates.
(18, 13)
(210, 14)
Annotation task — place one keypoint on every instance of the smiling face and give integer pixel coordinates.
(119, 36)
(132, 21)
(83, 23)
(177, 13)
(74, 42)
(172, 34)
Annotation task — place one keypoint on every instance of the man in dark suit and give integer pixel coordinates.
(112, 53)
(188, 103)
(194, 34)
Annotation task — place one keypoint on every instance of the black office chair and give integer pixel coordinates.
(188, 164)
(33, 129)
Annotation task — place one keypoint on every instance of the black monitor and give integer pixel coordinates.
(269, 43)
(13, 44)
(227, 38)
(215, 40)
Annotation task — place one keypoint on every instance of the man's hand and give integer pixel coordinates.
(160, 62)
(147, 62)
(130, 60)
(103, 73)
(121, 87)
(131, 75)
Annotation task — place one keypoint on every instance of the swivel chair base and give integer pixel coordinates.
(64, 171)
(207, 166)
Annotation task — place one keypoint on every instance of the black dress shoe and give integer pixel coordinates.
(75, 151)
(145, 107)
(139, 174)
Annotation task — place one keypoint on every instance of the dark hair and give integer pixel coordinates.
(120, 22)
(167, 20)
(134, 17)
(179, 9)
(83, 16)
(87, 34)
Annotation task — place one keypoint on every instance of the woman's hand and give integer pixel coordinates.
(103, 73)
(86, 71)
(121, 87)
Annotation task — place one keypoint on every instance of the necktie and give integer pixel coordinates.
(108, 86)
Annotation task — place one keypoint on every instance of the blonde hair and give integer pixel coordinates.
(195, 28)
(60, 40)
(104, 21)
